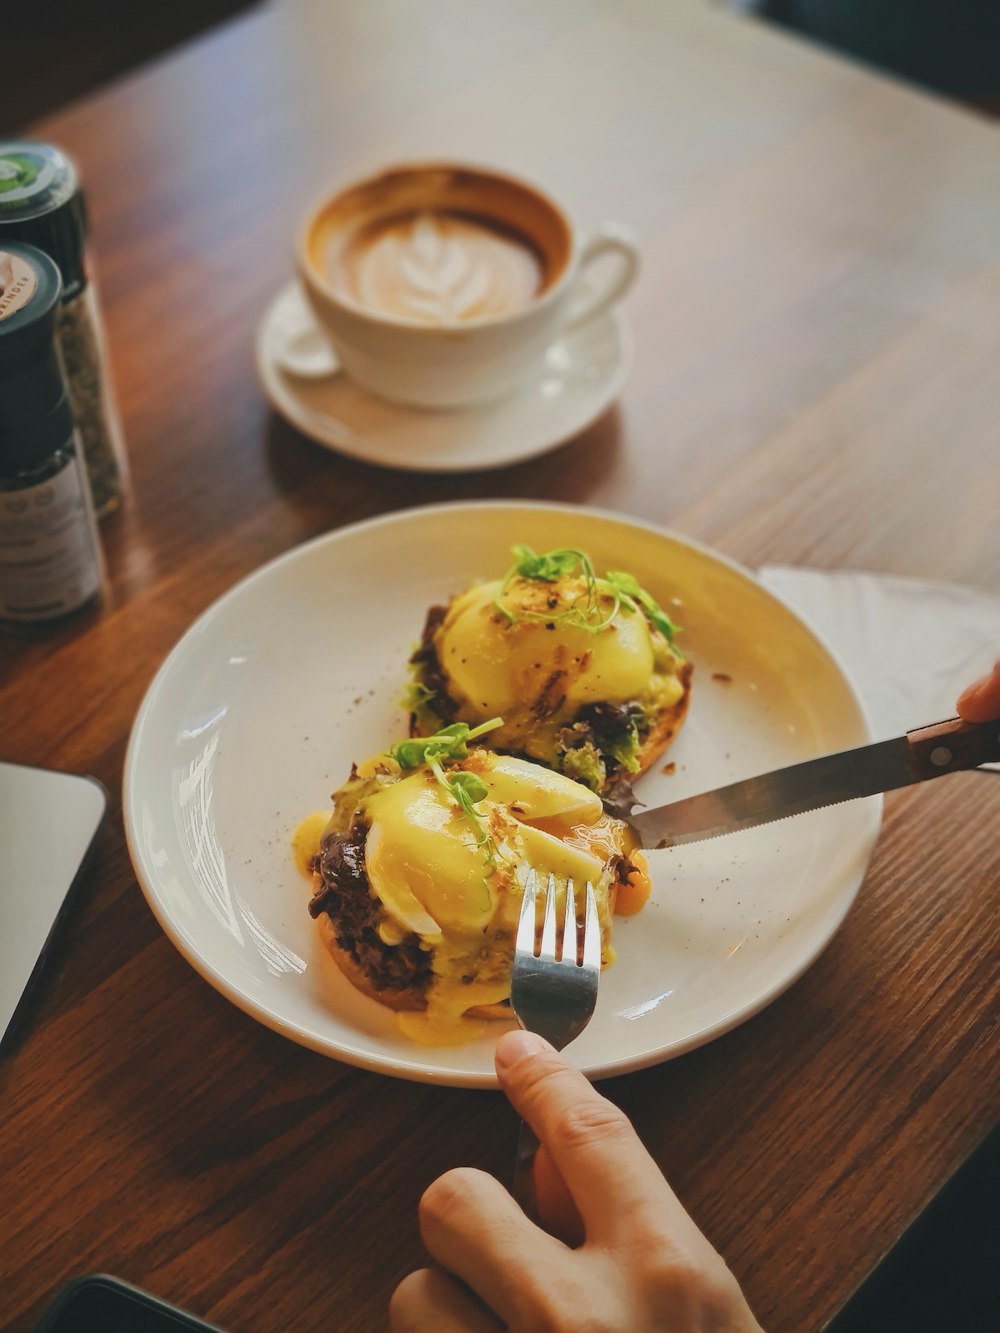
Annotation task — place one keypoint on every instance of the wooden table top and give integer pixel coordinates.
(815, 382)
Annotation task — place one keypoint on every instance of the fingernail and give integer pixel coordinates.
(515, 1046)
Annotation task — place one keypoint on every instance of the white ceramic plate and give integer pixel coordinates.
(581, 377)
(258, 713)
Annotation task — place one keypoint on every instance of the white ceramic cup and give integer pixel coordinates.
(459, 363)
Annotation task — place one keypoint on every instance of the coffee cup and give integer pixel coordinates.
(443, 286)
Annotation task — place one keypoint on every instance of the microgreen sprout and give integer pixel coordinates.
(588, 612)
(465, 789)
(550, 565)
(448, 743)
(632, 594)
(585, 613)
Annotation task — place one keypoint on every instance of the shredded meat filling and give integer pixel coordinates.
(607, 723)
(344, 895)
(429, 672)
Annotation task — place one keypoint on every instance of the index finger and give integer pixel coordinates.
(612, 1178)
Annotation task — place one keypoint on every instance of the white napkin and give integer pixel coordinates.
(911, 646)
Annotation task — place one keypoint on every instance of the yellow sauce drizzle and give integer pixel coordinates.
(306, 840)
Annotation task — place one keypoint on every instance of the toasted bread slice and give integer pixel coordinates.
(667, 724)
(409, 999)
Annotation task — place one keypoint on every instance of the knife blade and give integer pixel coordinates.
(927, 752)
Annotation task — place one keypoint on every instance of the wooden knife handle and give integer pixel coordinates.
(947, 747)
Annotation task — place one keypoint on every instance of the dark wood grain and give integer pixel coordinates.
(815, 382)
(80, 44)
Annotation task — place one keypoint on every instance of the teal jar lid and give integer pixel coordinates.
(41, 204)
(34, 410)
(30, 288)
(35, 178)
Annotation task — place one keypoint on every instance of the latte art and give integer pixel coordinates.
(436, 267)
(441, 285)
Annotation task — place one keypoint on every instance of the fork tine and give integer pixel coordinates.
(548, 949)
(592, 933)
(569, 925)
(525, 942)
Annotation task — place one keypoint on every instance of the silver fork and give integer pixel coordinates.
(553, 996)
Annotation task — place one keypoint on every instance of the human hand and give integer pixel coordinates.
(639, 1261)
(981, 701)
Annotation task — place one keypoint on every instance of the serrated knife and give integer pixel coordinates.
(927, 752)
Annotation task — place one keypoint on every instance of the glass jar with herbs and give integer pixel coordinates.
(41, 204)
(50, 555)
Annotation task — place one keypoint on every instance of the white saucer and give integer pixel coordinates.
(581, 378)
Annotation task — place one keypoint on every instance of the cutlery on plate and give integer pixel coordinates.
(927, 752)
(553, 991)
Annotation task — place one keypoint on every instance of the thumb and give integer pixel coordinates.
(592, 1144)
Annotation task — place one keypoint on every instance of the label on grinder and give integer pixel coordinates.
(18, 282)
(50, 561)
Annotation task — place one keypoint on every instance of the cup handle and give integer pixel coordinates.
(299, 346)
(610, 238)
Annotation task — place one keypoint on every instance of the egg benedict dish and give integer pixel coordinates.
(584, 670)
(419, 873)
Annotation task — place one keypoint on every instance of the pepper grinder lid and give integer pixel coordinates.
(41, 204)
(34, 411)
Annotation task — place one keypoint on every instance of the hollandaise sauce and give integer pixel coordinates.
(306, 840)
(538, 672)
(460, 894)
